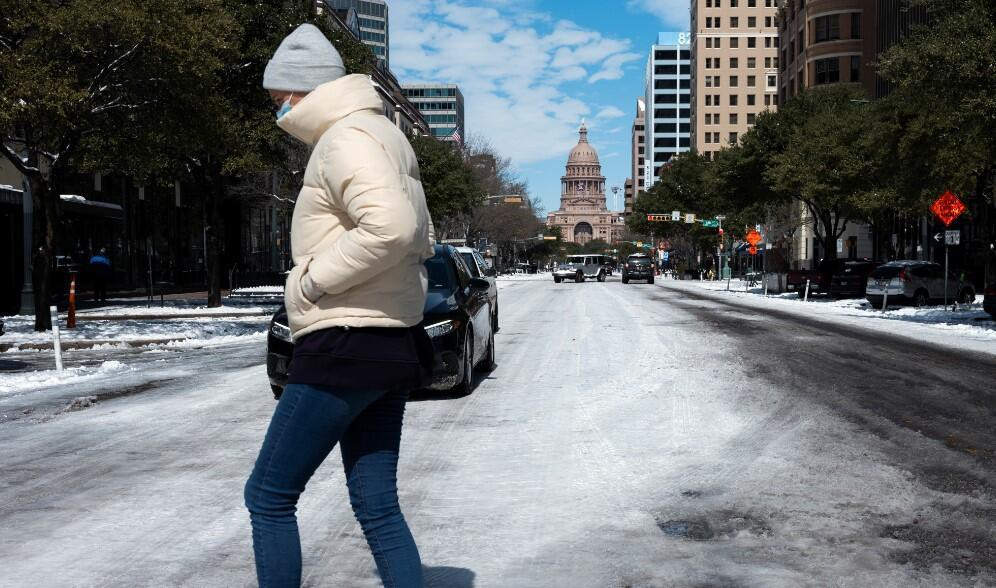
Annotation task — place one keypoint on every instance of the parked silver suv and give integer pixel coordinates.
(916, 282)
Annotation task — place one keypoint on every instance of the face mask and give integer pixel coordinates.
(285, 107)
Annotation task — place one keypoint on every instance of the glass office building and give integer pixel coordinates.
(668, 97)
(375, 31)
(442, 107)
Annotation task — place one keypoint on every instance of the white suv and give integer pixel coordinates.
(917, 282)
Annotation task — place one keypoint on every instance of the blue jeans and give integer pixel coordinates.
(307, 424)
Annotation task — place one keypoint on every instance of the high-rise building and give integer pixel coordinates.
(442, 107)
(630, 197)
(839, 43)
(667, 100)
(734, 68)
(638, 156)
(372, 16)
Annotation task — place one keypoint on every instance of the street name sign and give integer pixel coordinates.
(689, 219)
(710, 223)
(676, 215)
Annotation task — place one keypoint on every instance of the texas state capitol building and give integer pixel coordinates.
(583, 215)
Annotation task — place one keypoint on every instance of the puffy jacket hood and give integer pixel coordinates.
(327, 105)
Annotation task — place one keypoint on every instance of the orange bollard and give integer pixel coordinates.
(71, 316)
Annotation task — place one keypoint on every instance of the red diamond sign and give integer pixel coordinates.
(947, 208)
(753, 237)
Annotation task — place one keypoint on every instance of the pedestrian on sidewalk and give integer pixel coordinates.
(360, 235)
(100, 270)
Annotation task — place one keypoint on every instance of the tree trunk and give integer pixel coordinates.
(42, 258)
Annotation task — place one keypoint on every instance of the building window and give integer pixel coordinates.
(751, 42)
(751, 3)
(734, 42)
(855, 25)
(734, 22)
(708, 137)
(767, 99)
(751, 81)
(751, 98)
(826, 28)
(751, 118)
(768, 41)
(751, 62)
(772, 81)
(855, 68)
(708, 22)
(717, 43)
(827, 71)
(733, 99)
(734, 3)
(733, 118)
(767, 21)
(767, 62)
(734, 63)
(708, 42)
(800, 42)
(751, 22)
(715, 137)
(734, 81)
(733, 138)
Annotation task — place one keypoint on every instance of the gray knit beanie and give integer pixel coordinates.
(304, 60)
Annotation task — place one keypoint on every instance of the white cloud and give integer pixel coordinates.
(673, 13)
(512, 64)
(610, 112)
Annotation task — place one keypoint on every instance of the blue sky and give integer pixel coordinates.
(530, 70)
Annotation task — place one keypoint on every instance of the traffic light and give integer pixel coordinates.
(657, 218)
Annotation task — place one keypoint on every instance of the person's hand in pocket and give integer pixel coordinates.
(310, 289)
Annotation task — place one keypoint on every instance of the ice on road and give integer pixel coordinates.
(629, 437)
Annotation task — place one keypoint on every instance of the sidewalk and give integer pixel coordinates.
(969, 327)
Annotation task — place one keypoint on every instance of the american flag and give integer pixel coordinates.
(455, 136)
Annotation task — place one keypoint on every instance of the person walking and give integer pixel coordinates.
(360, 235)
(100, 269)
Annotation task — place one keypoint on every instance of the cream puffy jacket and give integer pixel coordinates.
(361, 229)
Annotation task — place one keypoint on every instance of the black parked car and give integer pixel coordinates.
(989, 300)
(638, 267)
(849, 280)
(457, 319)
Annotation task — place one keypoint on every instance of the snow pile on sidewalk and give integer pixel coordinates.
(969, 327)
(26, 381)
(257, 292)
(20, 329)
(524, 277)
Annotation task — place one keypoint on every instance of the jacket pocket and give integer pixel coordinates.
(294, 298)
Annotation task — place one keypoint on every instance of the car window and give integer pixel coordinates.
(483, 263)
(639, 260)
(462, 273)
(468, 258)
(441, 273)
(886, 272)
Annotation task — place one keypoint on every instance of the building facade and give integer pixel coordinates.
(372, 17)
(442, 107)
(826, 42)
(583, 214)
(638, 157)
(667, 100)
(734, 68)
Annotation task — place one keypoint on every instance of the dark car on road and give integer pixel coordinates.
(638, 267)
(457, 318)
(852, 278)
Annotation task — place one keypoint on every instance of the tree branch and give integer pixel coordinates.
(19, 163)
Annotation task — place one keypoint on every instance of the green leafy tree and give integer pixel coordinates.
(86, 84)
(451, 188)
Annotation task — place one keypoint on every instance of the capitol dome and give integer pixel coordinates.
(583, 153)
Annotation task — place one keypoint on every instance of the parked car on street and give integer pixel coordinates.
(479, 268)
(638, 266)
(819, 278)
(850, 281)
(457, 319)
(989, 300)
(916, 282)
(589, 266)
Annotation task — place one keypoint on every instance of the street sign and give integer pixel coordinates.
(947, 208)
(753, 237)
(752, 250)
(952, 237)
(676, 215)
(689, 219)
(667, 255)
(639, 244)
(657, 218)
(939, 237)
(710, 223)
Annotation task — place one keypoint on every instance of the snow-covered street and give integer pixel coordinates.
(632, 435)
